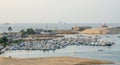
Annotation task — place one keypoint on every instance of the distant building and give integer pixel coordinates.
(76, 28)
(66, 32)
(104, 26)
(38, 31)
(48, 33)
(80, 28)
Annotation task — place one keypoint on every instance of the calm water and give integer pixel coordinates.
(109, 53)
(20, 26)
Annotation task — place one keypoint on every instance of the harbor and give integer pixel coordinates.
(59, 32)
(58, 43)
(36, 43)
(110, 53)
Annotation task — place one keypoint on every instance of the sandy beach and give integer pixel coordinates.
(51, 61)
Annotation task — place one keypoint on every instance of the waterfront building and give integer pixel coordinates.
(104, 26)
(80, 28)
(38, 31)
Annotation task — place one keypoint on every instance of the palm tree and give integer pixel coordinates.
(9, 29)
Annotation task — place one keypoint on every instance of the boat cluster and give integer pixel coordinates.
(57, 43)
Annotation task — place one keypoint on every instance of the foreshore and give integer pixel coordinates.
(51, 61)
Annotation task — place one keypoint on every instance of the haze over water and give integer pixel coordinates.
(63, 26)
(53, 11)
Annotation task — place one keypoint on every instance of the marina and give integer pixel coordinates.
(59, 32)
(58, 43)
(47, 44)
(110, 53)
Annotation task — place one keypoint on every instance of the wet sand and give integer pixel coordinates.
(51, 61)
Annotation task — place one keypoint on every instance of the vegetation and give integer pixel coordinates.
(30, 31)
(9, 29)
(27, 32)
(4, 41)
(23, 32)
(49, 30)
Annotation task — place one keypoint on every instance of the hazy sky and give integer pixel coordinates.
(53, 11)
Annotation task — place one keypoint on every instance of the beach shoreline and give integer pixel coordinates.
(51, 61)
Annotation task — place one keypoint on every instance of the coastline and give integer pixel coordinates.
(51, 61)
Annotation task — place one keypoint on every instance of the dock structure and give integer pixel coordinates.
(43, 37)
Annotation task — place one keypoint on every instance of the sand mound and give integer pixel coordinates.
(102, 31)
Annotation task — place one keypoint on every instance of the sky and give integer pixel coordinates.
(54, 11)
